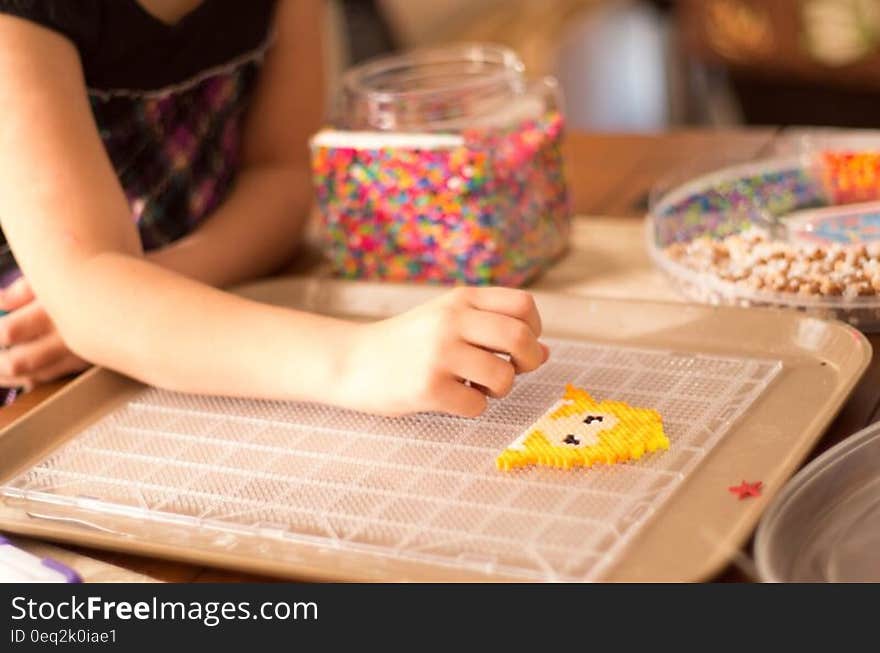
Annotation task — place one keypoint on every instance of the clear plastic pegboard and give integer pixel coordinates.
(422, 488)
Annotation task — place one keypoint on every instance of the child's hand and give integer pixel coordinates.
(438, 357)
(33, 352)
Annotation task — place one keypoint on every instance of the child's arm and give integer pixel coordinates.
(252, 233)
(258, 226)
(68, 222)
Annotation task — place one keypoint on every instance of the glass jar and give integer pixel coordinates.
(443, 165)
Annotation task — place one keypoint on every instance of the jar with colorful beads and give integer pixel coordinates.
(444, 166)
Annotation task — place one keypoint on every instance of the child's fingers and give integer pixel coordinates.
(25, 383)
(507, 301)
(483, 368)
(25, 360)
(456, 398)
(68, 364)
(25, 324)
(503, 334)
(16, 295)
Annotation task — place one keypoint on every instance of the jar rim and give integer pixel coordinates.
(510, 69)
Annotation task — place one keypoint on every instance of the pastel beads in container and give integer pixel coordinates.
(443, 165)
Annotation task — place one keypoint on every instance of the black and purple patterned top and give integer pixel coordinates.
(168, 99)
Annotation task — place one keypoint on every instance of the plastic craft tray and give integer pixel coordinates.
(311, 492)
(759, 193)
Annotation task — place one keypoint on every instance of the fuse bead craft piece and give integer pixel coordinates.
(487, 206)
(578, 431)
(745, 489)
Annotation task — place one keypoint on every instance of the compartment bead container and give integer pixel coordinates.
(444, 167)
(791, 231)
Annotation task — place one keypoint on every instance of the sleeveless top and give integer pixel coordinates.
(168, 99)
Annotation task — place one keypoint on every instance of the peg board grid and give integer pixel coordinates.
(422, 487)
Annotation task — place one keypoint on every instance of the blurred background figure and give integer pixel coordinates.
(791, 61)
(647, 65)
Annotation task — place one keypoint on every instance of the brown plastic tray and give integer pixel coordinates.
(693, 534)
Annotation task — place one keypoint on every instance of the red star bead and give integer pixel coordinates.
(745, 489)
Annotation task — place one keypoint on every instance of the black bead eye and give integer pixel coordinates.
(570, 439)
(593, 418)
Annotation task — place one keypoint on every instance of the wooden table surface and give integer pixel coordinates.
(611, 177)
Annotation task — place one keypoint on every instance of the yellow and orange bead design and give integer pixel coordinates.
(578, 431)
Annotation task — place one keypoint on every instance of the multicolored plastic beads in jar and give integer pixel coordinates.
(445, 166)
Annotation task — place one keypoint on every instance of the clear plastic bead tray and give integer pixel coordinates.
(423, 487)
(307, 491)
